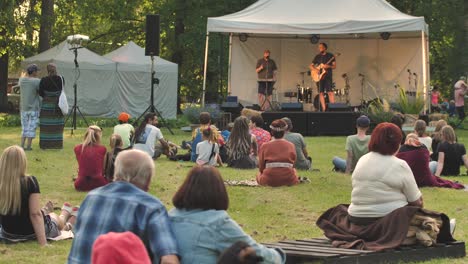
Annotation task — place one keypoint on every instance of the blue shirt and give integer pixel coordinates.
(225, 134)
(119, 207)
(204, 234)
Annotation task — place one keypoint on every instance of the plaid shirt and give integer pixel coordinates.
(119, 207)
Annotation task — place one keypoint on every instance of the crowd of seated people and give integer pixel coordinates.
(385, 199)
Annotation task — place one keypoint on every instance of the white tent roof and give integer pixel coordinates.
(135, 55)
(62, 54)
(317, 17)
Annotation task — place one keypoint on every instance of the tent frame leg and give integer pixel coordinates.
(205, 67)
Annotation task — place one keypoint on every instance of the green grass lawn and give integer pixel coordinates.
(268, 214)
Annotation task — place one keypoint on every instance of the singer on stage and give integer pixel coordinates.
(324, 61)
(266, 72)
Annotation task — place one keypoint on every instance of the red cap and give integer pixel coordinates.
(124, 117)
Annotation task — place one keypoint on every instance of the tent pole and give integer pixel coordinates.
(229, 66)
(205, 67)
(424, 69)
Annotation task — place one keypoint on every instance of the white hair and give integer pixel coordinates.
(133, 166)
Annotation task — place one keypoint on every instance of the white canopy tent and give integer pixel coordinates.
(133, 82)
(96, 77)
(350, 27)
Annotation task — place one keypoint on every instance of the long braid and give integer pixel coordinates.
(142, 125)
(240, 140)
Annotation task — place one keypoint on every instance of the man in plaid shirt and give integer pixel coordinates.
(124, 205)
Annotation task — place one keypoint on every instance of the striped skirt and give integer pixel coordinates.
(51, 122)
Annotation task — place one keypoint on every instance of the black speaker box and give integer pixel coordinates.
(299, 120)
(291, 107)
(152, 35)
(331, 123)
(338, 107)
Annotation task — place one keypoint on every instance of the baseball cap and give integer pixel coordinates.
(363, 121)
(32, 68)
(124, 117)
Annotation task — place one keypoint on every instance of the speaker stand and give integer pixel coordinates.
(151, 108)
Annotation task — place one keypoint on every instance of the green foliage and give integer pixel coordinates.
(379, 111)
(409, 105)
(9, 120)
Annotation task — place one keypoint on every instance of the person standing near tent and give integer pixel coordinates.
(324, 61)
(459, 96)
(30, 103)
(51, 121)
(266, 72)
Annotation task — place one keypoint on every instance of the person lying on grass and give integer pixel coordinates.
(21, 216)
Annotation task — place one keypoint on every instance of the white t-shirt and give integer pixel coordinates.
(427, 141)
(147, 140)
(204, 151)
(460, 84)
(381, 184)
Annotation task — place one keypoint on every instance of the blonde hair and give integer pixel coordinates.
(13, 164)
(420, 128)
(412, 140)
(448, 134)
(439, 125)
(115, 141)
(92, 137)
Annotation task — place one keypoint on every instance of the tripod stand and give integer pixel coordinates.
(75, 107)
(151, 108)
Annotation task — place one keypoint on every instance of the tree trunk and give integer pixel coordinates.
(3, 82)
(465, 60)
(47, 21)
(177, 56)
(30, 19)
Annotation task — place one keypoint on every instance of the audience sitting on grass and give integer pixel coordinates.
(119, 248)
(417, 156)
(116, 145)
(451, 155)
(277, 159)
(90, 156)
(239, 253)
(261, 135)
(242, 146)
(208, 151)
(356, 147)
(398, 120)
(125, 205)
(202, 226)
(386, 204)
(197, 137)
(227, 131)
(149, 138)
(420, 130)
(21, 217)
(303, 161)
(125, 130)
(436, 139)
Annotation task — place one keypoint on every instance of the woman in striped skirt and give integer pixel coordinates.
(51, 117)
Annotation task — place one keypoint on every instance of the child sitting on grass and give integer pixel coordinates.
(116, 145)
(208, 151)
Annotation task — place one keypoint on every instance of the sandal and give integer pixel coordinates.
(74, 211)
(67, 207)
(68, 227)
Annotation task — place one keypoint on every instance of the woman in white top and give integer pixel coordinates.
(384, 199)
(420, 130)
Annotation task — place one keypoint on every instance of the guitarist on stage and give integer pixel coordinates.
(266, 71)
(324, 61)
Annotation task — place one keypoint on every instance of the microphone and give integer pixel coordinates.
(409, 71)
(415, 74)
(361, 75)
(344, 75)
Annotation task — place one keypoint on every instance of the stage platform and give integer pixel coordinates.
(317, 123)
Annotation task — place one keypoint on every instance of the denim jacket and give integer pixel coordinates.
(202, 235)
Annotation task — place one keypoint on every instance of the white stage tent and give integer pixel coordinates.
(96, 77)
(349, 27)
(133, 81)
(120, 82)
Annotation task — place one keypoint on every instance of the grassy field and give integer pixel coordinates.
(268, 214)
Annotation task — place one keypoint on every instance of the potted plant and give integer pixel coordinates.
(410, 107)
(379, 111)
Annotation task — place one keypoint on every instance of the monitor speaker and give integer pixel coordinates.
(152, 35)
(291, 107)
(338, 107)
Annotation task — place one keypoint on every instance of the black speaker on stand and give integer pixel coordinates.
(152, 49)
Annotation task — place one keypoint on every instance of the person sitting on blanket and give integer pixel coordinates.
(90, 156)
(384, 201)
(242, 146)
(21, 217)
(416, 155)
(125, 205)
(277, 158)
(201, 224)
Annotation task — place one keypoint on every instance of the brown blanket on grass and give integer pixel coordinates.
(386, 233)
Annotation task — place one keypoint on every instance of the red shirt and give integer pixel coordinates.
(90, 167)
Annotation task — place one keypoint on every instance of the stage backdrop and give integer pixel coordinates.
(383, 62)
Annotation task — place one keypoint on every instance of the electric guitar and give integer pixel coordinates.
(316, 74)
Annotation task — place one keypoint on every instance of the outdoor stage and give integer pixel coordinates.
(317, 123)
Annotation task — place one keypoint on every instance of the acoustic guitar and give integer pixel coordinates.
(316, 74)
